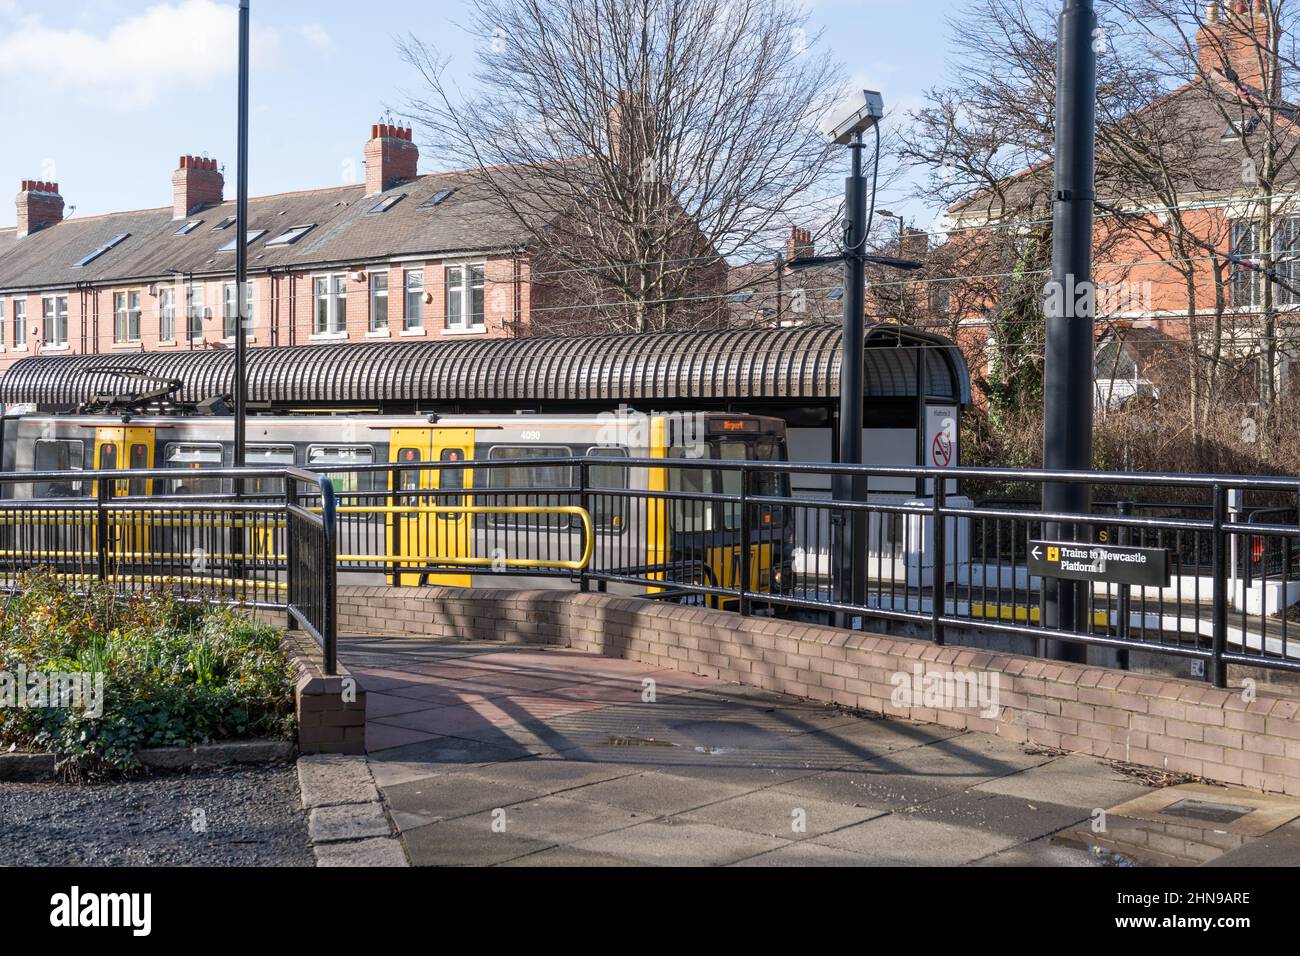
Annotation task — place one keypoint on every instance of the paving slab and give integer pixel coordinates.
(466, 841)
(898, 839)
(680, 843)
(563, 821)
(655, 794)
(444, 797)
(781, 815)
(1072, 780)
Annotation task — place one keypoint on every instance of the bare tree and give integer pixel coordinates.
(639, 142)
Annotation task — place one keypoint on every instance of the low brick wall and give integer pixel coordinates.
(1177, 725)
(331, 710)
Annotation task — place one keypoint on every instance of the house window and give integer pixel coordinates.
(194, 311)
(2, 322)
(1287, 261)
(465, 298)
(378, 301)
(56, 320)
(230, 312)
(1245, 281)
(126, 317)
(20, 323)
(167, 314)
(331, 305)
(413, 317)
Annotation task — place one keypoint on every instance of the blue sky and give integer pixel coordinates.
(102, 96)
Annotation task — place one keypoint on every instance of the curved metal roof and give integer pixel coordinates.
(801, 362)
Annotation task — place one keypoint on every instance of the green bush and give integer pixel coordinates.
(174, 674)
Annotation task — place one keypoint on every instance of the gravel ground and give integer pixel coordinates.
(237, 816)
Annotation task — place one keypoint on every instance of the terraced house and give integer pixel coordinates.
(401, 255)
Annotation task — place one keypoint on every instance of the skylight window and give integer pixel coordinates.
(291, 235)
(228, 221)
(92, 256)
(437, 198)
(188, 227)
(252, 236)
(386, 203)
(836, 294)
(744, 296)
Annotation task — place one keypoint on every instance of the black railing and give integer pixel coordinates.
(726, 534)
(144, 530)
(729, 534)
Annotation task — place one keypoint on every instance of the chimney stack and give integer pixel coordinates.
(1234, 40)
(391, 157)
(196, 183)
(799, 244)
(39, 205)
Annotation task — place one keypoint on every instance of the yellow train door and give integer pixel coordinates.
(407, 527)
(452, 533)
(127, 448)
(416, 534)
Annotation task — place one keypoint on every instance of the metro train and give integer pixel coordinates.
(389, 528)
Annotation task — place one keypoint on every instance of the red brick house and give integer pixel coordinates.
(1167, 267)
(401, 255)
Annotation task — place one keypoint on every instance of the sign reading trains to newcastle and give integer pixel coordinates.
(1107, 563)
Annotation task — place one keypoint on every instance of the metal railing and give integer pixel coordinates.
(731, 535)
(249, 550)
(728, 534)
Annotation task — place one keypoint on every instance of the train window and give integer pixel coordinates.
(345, 457)
(451, 478)
(529, 469)
(107, 457)
(137, 459)
(608, 510)
(689, 515)
(59, 454)
(193, 456)
(409, 479)
(729, 479)
(268, 456)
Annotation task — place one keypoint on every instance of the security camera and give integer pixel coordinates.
(866, 116)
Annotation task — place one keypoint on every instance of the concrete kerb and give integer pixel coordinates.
(346, 820)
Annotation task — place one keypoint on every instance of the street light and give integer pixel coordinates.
(850, 573)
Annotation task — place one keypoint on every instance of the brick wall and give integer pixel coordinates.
(1176, 725)
(331, 711)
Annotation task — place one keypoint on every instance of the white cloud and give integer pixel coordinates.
(167, 47)
(317, 36)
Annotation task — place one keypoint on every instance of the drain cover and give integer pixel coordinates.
(1206, 811)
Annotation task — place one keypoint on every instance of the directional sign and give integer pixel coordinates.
(1112, 564)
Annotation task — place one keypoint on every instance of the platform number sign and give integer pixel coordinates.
(941, 436)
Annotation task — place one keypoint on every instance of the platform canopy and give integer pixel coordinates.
(769, 365)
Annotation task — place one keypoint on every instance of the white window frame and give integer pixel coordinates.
(411, 323)
(195, 309)
(60, 339)
(375, 296)
(126, 318)
(459, 279)
(336, 293)
(227, 300)
(20, 325)
(167, 314)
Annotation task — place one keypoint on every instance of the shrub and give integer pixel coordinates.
(174, 674)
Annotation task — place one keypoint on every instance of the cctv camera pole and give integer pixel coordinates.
(1068, 361)
(851, 573)
(241, 248)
